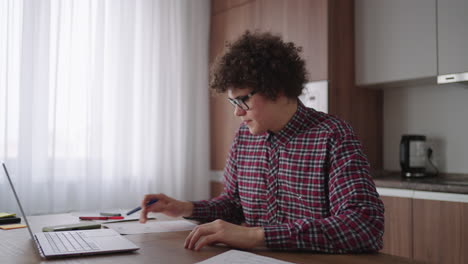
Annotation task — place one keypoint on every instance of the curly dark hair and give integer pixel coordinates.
(261, 61)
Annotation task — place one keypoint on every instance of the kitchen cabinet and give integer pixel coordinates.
(452, 36)
(464, 235)
(398, 226)
(437, 231)
(411, 42)
(395, 40)
(430, 231)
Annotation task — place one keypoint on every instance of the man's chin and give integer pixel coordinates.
(255, 132)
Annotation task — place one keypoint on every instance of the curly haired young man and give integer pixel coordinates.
(295, 178)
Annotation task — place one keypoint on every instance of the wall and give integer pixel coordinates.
(438, 111)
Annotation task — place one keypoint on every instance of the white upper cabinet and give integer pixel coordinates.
(396, 40)
(452, 35)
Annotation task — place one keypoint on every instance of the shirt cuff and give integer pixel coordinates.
(200, 211)
(278, 236)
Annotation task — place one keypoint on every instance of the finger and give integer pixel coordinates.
(188, 238)
(144, 210)
(143, 217)
(200, 232)
(144, 214)
(206, 240)
(191, 234)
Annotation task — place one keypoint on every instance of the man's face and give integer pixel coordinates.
(259, 117)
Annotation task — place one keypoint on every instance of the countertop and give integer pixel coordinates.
(447, 183)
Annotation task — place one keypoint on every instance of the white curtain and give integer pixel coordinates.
(102, 102)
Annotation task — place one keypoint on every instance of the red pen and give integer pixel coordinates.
(101, 217)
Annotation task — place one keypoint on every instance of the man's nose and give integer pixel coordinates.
(239, 111)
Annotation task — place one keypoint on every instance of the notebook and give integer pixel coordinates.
(74, 243)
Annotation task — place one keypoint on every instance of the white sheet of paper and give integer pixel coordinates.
(241, 257)
(130, 228)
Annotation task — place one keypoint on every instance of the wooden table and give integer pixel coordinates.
(17, 247)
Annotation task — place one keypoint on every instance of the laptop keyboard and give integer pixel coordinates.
(69, 242)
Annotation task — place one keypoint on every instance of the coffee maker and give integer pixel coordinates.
(413, 156)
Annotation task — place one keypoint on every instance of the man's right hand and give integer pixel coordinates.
(166, 205)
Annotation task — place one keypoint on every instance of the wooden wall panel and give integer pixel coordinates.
(225, 26)
(398, 237)
(303, 22)
(437, 227)
(218, 6)
(361, 107)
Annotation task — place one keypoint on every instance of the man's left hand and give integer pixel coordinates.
(220, 231)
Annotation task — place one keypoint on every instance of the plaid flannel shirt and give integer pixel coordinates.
(309, 187)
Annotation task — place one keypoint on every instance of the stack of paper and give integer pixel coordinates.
(2, 215)
(9, 221)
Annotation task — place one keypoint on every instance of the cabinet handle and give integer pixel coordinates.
(451, 78)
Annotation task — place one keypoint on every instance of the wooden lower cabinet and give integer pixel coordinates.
(464, 234)
(426, 230)
(437, 231)
(398, 226)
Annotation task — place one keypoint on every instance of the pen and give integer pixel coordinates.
(101, 217)
(109, 214)
(139, 207)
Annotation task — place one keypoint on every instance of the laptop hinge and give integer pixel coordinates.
(38, 246)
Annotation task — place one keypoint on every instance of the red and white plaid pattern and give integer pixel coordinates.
(309, 187)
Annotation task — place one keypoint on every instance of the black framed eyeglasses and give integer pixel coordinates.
(240, 101)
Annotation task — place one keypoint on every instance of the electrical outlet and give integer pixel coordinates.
(438, 146)
(315, 95)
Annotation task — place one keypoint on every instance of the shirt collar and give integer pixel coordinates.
(292, 128)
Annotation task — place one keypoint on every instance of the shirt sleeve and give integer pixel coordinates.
(226, 206)
(356, 221)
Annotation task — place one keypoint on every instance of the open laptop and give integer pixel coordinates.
(75, 243)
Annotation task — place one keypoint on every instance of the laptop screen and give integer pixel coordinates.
(17, 199)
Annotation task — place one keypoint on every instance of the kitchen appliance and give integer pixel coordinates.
(413, 156)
